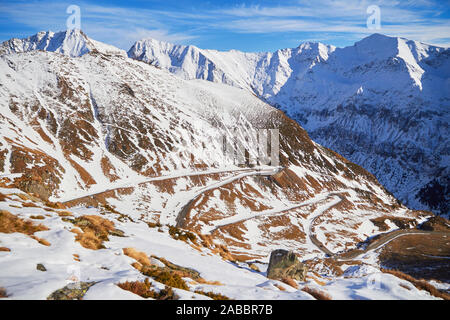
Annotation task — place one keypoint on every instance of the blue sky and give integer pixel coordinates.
(231, 24)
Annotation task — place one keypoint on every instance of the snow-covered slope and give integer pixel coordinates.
(145, 149)
(383, 102)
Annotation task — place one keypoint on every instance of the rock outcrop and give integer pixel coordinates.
(284, 264)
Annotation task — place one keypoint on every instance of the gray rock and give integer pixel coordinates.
(73, 291)
(284, 264)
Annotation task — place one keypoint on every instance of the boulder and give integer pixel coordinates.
(40, 267)
(284, 264)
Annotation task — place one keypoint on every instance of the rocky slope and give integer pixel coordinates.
(383, 102)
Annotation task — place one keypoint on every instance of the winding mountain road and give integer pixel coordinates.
(134, 183)
(183, 209)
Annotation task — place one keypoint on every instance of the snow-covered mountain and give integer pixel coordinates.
(383, 103)
(110, 137)
(73, 43)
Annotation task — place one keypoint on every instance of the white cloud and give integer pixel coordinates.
(114, 25)
(414, 19)
(403, 19)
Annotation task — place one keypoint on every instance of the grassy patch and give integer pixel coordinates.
(154, 224)
(29, 205)
(144, 289)
(10, 223)
(170, 274)
(212, 295)
(317, 294)
(39, 217)
(182, 235)
(139, 256)
(279, 286)
(95, 231)
(290, 282)
(65, 214)
(165, 276)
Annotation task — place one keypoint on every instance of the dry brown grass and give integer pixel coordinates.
(88, 239)
(29, 205)
(279, 286)
(38, 217)
(144, 290)
(165, 276)
(3, 197)
(23, 196)
(64, 214)
(317, 294)
(212, 295)
(171, 274)
(420, 284)
(319, 282)
(10, 223)
(213, 283)
(139, 256)
(40, 240)
(5, 249)
(183, 235)
(95, 230)
(254, 267)
(55, 205)
(291, 282)
(153, 224)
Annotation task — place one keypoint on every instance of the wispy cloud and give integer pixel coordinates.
(337, 21)
(116, 25)
(420, 20)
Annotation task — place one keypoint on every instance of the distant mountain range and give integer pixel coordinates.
(383, 102)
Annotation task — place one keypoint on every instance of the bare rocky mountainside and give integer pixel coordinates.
(129, 171)
(383, 103)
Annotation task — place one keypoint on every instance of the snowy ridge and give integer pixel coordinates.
(73, 43)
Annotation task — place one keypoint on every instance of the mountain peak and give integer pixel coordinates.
(311, 49)
(73, 43)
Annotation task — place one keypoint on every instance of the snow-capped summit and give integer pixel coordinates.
(314, 50)
(73, 43)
